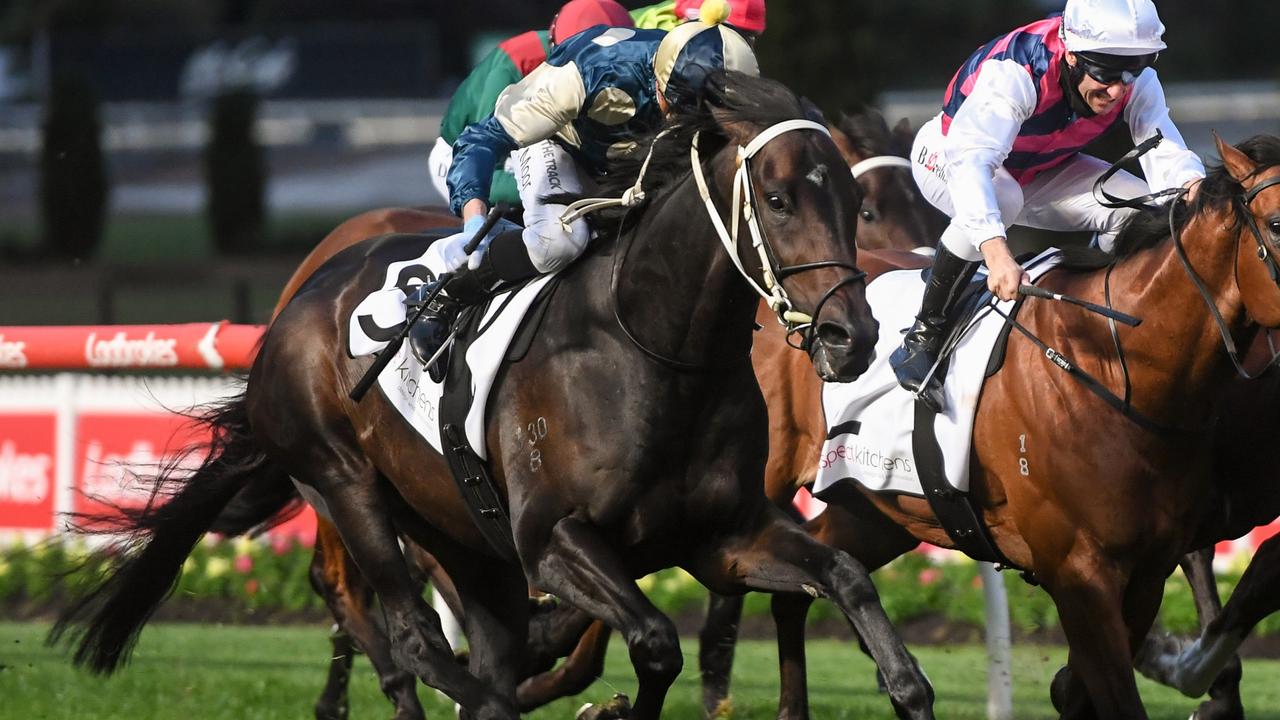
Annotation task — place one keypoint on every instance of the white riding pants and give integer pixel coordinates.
(1058, 199)
(546, 169)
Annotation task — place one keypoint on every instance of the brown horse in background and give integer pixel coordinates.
(1107, 507)
(893, 215)
(299, 424)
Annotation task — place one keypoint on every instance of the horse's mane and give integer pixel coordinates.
(870, 134)
(1149, 227)
(731, 98)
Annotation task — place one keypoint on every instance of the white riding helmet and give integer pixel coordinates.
(694, 49)
(1113, 27)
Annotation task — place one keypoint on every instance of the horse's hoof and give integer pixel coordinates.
(543, 603)
(1218, 709)
(618, 708)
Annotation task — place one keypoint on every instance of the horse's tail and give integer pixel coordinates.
(236, 487)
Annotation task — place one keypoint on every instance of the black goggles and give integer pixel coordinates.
(1112, 69)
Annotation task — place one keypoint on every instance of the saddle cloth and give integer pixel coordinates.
(405, 381)
(870, 420)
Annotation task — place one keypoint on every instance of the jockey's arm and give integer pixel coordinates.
(978, 141)
(1170, 164)
(534, 109)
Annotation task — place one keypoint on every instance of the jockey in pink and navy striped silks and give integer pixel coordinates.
(1055, 131)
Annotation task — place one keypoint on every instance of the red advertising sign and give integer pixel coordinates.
(28, 444)
(114, 451)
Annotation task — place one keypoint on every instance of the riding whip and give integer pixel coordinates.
(384, 356)
(1106, 312)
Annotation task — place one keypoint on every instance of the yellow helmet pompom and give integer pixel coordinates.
(713, 12)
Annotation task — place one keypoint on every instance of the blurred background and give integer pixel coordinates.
(172, 160)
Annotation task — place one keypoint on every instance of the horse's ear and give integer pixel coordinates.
(1237, 164)
(812, 111)
(904, 134)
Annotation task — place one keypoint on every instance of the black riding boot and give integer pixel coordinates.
(923, 341)
(507, 261)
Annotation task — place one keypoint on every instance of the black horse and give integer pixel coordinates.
(652, 438)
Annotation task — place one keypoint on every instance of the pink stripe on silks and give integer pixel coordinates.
(946, 124)
(1026, 175)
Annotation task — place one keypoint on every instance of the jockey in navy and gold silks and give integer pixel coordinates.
(566, 121)
(505, 65)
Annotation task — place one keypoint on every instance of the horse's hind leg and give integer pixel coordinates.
(778, 556)
(349, 485)
(578, 566)
(583, 664)
(350, 599)
(1224, 695)
(1191, 666)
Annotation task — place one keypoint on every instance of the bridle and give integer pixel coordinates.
(743, 207)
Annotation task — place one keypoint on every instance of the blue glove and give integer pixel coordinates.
(447, 254)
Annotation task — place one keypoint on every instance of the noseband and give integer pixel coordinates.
(862, 167)
(743, 207)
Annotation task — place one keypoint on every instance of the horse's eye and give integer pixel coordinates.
(867, 215)
(777, 202)
(1274, 226)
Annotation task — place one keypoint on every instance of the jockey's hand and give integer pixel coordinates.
(1192, 186)
(449, 253)
(1004, 274)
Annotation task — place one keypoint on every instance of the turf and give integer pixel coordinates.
(198, 672)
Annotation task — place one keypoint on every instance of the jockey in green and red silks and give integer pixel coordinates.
(1007, 149)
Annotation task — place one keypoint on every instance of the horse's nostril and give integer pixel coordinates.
(834, 336)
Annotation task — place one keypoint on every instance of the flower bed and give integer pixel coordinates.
(245, 580)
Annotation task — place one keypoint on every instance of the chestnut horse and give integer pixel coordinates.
(1106, 507)
(674, 479)
(893, 215)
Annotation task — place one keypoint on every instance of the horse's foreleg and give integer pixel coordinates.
(780, 557)
(496, 623)
(338, 581)
(576, 565)
(716, 644)
(1090, 595)
(349, 485)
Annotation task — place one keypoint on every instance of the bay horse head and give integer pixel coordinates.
(767, 180)
(894, 215)
(1255, 168)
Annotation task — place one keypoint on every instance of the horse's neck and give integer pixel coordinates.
(1179, 339)
(695, 304)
